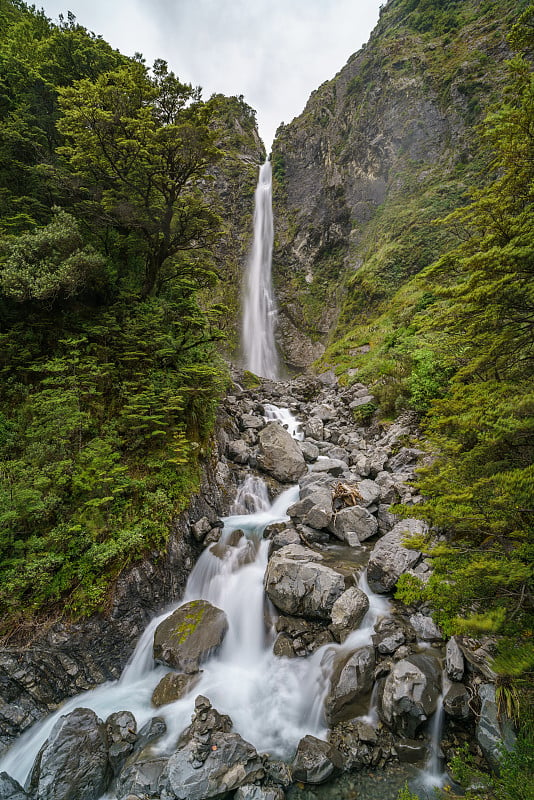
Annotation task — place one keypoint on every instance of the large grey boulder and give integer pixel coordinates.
(231, 762)
(121, 729)
(298, 584)
(172, 687)
(10, 789)
(279, 454)
(351, 683)
(456, 701)
(390, 559)
(425, 628)
(409, 694)
(347, 612)
(491, 735)
(353, 525)
(73, 762)
(454, 660)
(315, 761)
(254, 792)
(141, 776)
(189, 635)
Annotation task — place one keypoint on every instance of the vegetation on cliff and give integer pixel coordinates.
(109, 229)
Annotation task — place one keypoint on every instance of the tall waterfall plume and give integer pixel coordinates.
(259, 307)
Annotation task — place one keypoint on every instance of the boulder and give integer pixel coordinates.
(73, 762)
(172, 687)
(332, 466)
(10, 789)
(314, 428)
(310, 451)
(409, 694)
(238, 451)
(299, 637)
(279, 455)
(253, 792)
(121, 729)
(454, 660)
(353, 525)
(351, 683)
(189, 635)
(425, 628)
(140, 778)
(390, 559)
(298, 584)
(347, 612)
(369, 492)
(456, 701)
(388, 637)
(230, 762)
(490, 734)
(410, 751)
(319, 516)
(315, 761)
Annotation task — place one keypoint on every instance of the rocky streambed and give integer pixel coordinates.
(286, 661)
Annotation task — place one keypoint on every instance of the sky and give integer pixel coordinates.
(274, 52)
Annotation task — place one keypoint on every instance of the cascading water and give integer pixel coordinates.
(259, 310)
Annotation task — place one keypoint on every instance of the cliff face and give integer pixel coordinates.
(380, 151)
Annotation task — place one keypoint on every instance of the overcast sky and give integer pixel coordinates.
(274, 52)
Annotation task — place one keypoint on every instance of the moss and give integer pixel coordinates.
(191, 621)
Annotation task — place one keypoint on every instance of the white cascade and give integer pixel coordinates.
(259, 307)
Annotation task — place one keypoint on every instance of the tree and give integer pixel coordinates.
(141, 145)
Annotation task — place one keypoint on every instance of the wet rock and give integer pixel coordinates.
(299, 637)
(121, 729)
(490, 735)
(173, 687)
(201, 528)
(454, 660)
(353, 525)
(456, 701)
(10, 789)
(231, 762)
(298, 584)
(279, 454)
(409, 694)
(410, 751)
(281, 538)
(140, 778)
(351, 683)
(278, 773)
(425, 628)
(347, 612)
(390, 559)
(315, 761)
(254, 792)
(189, 635)
(73, 762)
(151, 731)
(389, 636)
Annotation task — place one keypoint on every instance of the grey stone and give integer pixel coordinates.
(140, 778)
(189, 635)
(352, 681)
(456, 701)
(410, 751)
(490, 735)
(279, 454)
(390, 559)
(425, 628)
(389, 636)
(369, 492)
(309, 451)
(361, 401)
(353, 525)
(201, 528)
(314, 429)
(333, 466)
(347, 612)
(251, 421)
(254, 792)
(315, 761)
(318, 517)
(298, 584)
(454, 660)
(121, 729)
(172, 687)
(230, 762)
(409, 694)
(238, 451)
(73, 762)
(10, 789)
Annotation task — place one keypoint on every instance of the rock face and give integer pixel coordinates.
(315, 761)
(390, 559)
(353, 525)
(173, 687)
(10, 789)
(297, 583)
(189, 635)
(73, 763)
(491, 736)
(279, 454)
(347, 612)
(409, 694)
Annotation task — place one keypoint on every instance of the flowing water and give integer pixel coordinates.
(273, 702)
(259, 307)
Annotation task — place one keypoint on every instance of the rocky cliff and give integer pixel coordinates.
(379, 152)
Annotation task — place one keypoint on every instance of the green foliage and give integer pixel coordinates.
(406, 794)
(108, 377)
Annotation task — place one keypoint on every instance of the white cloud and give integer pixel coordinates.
(274, 52)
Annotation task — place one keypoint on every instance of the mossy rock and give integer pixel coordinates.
(189, 635)
(173, 687)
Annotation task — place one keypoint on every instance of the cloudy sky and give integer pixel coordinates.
(274, 52)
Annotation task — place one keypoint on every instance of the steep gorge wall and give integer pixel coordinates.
(377, 154)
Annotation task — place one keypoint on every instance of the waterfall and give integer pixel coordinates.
(259, 308)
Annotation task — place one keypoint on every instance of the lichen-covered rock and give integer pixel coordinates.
(348, 611)
(189, 635)
(490, 734)
(409, 694)
(298, 584)
(73, 762)
(390, 559)
(315, 761)
(172, 687)
(279, 455)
